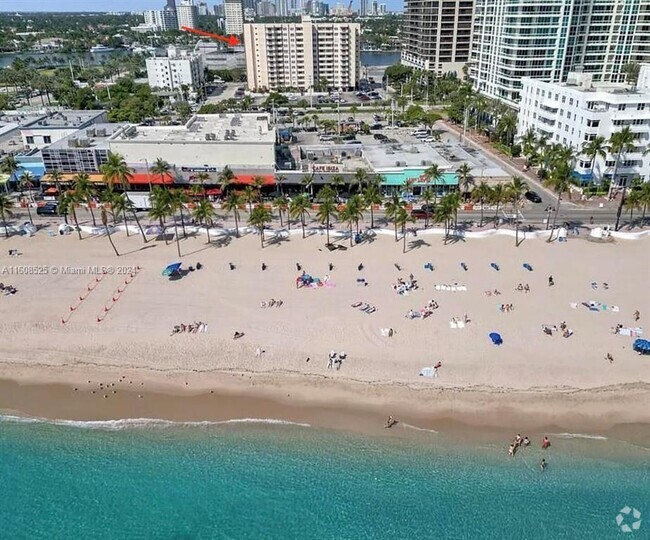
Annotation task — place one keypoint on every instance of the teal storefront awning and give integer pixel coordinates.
(400, 178)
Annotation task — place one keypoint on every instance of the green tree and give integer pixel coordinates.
(226, 176)
(178, 201)
(337, 181)
(497, 197)
(204, 213)
(115, 170)
(371, 197)
(360, 179)
(481, 194)
(26, 181)
(427, 197)
(250, 196)
(231, 204)
(10, 166)
(119, 206)
(104, 218)
(6, 210)
(465, 179)
(392, 207)
(326, 208)
(259, 218)
(597, 147)
(559, 181)
(298, 208)
(161, 207)
(620, 143)
(507, 127)
(400, 219)
(516, 189)
(433, 175)
(86, 192)
(529, 146)
(161, 169)
(202, 177)
(445, 213)
(281, 204)
(68, 204)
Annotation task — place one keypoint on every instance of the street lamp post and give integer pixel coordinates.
(146, 164)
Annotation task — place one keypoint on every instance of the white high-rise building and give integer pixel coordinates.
(437, 34)
(282, 8)
(578, 111)
(162, 19)
(188, 14)
(175, 69)
(234, 11)
(203, 8)
(546, 39)
(302, 55)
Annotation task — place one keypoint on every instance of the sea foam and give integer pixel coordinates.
(129, 423)
(579, 436)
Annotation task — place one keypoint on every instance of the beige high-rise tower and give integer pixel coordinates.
(302, 55)
(437, 34)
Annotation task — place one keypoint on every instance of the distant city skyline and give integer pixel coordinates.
(135, 5)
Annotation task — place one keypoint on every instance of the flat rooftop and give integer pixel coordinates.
(448, 155)
(63, 119)
(95, 136)
(206, 128)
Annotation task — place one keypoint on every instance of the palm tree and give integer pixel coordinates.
(68, 203)
(119, 205)
(433, 175)
(6, 209)
(465, 179)
(232, 204)
(160, 207)
(529, 145)
(620, 143)
(104, 218)
(346, 216)
(298, 207)
(160, 168)
(401, 218)
(307, 183)
(516, 190)
(281, 203)
(633, 202)
(204, 213)
(178, 201)
(250, 196)
(27, 183)
(507, 127)
(481, 194)
(337, 181)
(445, 212)
(353, 111)
(497, 197)
(371, 197)
(360, 179)
(326, 210)
(597, 147)
(279, 181)
(258, 183)
(454, 200)
(56, 176)
(645, 199)
(427, 197)
(86, 192)
(392, 207)
(259, 218)
(226, 176)
(356, 207)
(560, 181)
(116, 170)
(10, 166)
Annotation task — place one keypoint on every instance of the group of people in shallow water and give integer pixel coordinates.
(523, 442)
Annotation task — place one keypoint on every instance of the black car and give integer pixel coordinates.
(533, 197)
(379, 137)
(48, 209)
(428, 208)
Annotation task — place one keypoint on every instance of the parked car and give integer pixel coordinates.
(421, 214)
(326, 138)
(377, 118)
(428, 208)
(48, 209)
(379, 136)
(533, 197)
(376, 126)
(429, 139)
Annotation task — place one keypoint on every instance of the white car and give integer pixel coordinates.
(429, 140)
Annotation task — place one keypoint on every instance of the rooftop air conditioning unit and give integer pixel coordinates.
(425, 162)
(400, 164)
(207, 136)
(90, 133)
(73, 142)
(84, 143)
(100, 132)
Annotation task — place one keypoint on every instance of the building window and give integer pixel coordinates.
(640, 107)
(30, 139)
(621, 107)
(47, 139)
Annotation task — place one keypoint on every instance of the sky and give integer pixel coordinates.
(126, 5)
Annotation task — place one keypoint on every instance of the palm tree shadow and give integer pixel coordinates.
(453, 238)
(278, 240)
(417, 244)
(222, 241)
(199, 250)
(141, 248)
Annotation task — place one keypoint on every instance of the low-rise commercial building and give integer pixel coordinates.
(50, 127)
(302, 55)
(578, 111)
(174, 70)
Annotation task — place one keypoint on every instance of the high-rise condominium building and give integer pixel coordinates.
(437, 34)
(203, 8)
(282, 8)
(302, 55)
(188, 14)
(162, 19)
(234, 11)
(171, 4)
(545, 39)
(363, 8)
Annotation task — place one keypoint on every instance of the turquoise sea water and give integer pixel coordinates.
(282, 481)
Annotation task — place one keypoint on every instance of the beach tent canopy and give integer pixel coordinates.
(641, 346)
(174, 267)
(496, 338)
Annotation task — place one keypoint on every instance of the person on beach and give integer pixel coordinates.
(546, 443)
(526, 441)
(542, 464)
(637, 316)
(298, 267)
(550, 281)
(511, 450)
(360, 267)
(609, 357)
(518, 440)
(231, 265)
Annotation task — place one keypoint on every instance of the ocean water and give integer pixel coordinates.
(253, 480)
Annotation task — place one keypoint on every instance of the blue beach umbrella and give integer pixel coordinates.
(170, 269)
(496, 338)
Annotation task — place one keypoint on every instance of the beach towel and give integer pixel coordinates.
(574, 305)
(452, 324)
(528, 267)
(460, 324)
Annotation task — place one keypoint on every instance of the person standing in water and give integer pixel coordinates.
(542, 464)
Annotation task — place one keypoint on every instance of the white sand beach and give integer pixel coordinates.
(135, 334)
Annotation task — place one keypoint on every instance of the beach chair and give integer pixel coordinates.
(495, 266)
(437, 287)
(460, 324)
(371, 310)
(356, 304)
(528, 267)
(463, 266)
(452, 324)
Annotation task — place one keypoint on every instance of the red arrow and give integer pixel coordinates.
(229, 40)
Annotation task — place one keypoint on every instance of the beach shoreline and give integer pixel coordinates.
(462, 414)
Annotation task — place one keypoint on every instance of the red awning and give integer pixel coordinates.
(247, 179)
(213, 191)
(145, 178)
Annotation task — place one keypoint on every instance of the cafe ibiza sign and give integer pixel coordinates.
(200, 169)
